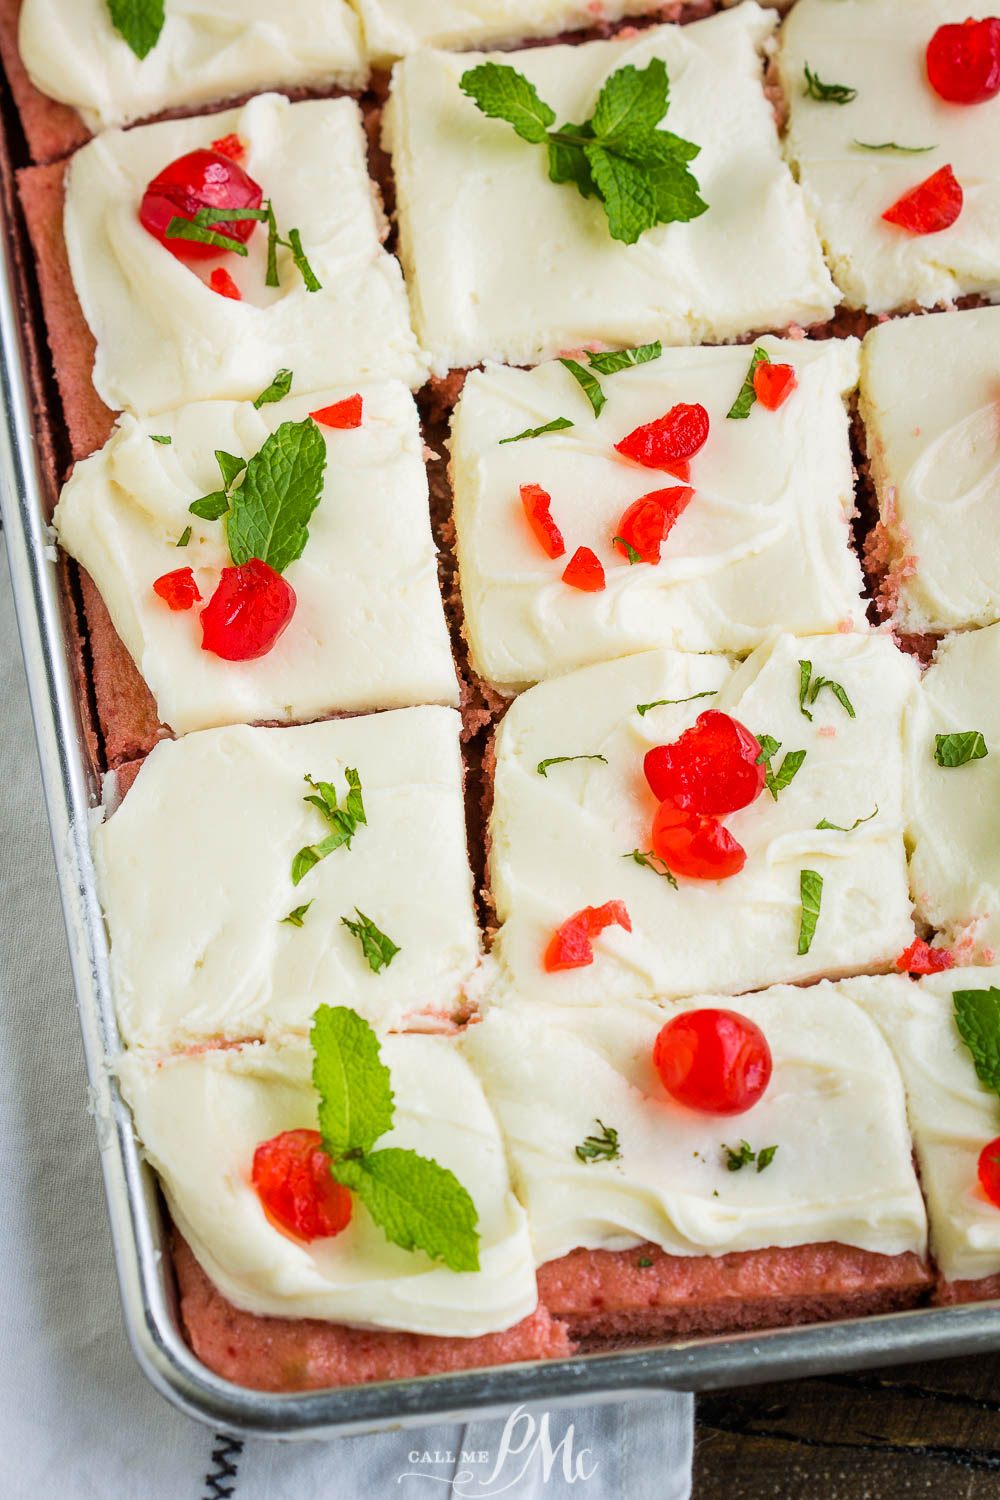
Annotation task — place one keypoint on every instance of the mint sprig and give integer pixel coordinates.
(958, 749)
(417, 1203)
(276, 391)
(650, 861)
(588, 383)
(643, 708)
(343, 817)
(558, 760)
(297, 916)
(613, 360)
(599, 1147)
(199, 228)
(377, 948)
(839, 827)
(558, 424)
(282, 486)
(744, 1156)
(810, 688)
(637, 171)
(292, 243)
(138, 22)
(776, 781)
(826, 93)
(977, 1016)
(747, 397)
(811, 896)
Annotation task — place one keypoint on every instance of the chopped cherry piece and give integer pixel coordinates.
(713, 768)
(963, 61)
(773, 384)
(178, 588)
(345, 414)
(668, 441)
(291, 1173)
(931, 206)
(570, 946)
(220, 281)
(247, 613)
(584, 571)
(536, 502)
(989, 1171)
(232, 146)
(921, 958)
(202, 179)
(713, 1060)
(649, 519)
(694, 846)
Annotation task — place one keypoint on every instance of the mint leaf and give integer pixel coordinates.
(838, 692)
(343, 820)
(567, 160)
(199, 228)
(651, 861)
(354, 1087)
(839, 828)
(622, 359)
(417, 1204)
(765, 1157)
(557, 760)
(503, 93)
(280, 490)
(741, 1158)
(297, 917)
(155, 437)
(293, 243)
(603, 1147)
(959, 749)
(632, 553)
(643, 182)
(589, 384)
(631, 101)
(977, 1016)
(891, 146)
(805, 675)
(826, 93)
(353, 804)
(138, 22)
(276, 391)
(811, 894)
(378, 949)
(643, 708)
(210, 507)
(230, 467)
(748, 394)
(184, 537)
(558, 424)
(776, 781)
(313, 284)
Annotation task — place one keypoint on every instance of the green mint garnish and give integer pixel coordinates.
(277, 390)
(644, 1262)
(280, 489)
(376, 947)
(748, 394)
(765, 1157)
(776, 781)
(603, 1147)
(839, 827)
(811, 895)
(297, 917)
(415, 1202)
(184, 537)
(638, 172)
(977, 1016)
(741, 1158)
(651, 861)
(200, 227)
(632, 553)
(294, 244)
(139, 22)
(611, 362)
(810, 688)
(343, 817)
(892, 146)
(588, 383)
(827, 93)
(643, 708)
(959, 749)
(230, 466)
(157, 437)
(210, 507)
(558, 424)
(557, 760)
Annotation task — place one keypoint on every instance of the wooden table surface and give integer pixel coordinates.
(929, 1430)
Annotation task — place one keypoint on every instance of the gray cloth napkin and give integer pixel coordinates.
(77, 1419)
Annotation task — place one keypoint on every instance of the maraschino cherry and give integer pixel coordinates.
(247, 613)
(713, 1060)
(291, 1173)
(201, 179)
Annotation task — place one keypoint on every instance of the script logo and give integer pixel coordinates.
(521, 1440)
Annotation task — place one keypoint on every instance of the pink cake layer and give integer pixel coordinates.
(985, 1289)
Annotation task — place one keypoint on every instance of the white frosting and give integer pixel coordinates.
(366, 580)
(207, 50)
(164, 338)
(952, 1115)
(765, 539)
(503, 264)
(955, 860)
(201, 1118)
(558, 841)
(194, 874)
(834, 1108)
(878, 47)
(394, 27)
(929, 399)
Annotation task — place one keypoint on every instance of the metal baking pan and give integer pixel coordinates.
(137, 1215)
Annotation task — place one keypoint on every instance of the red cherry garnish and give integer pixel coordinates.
(646, 522)
(248, 611)
(963, 61)
(931, 206)
(694, 846)
(570, 946)
(713, 1060)
(344, 414)
(921, 958)
(773, 384)
(584, 571)
(536, 502)
(291, 1173)
(230, 145)
(202, 179)
(989, 1171)
(178, 588)
(713, 768)
(669, 441)
(220, 281)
